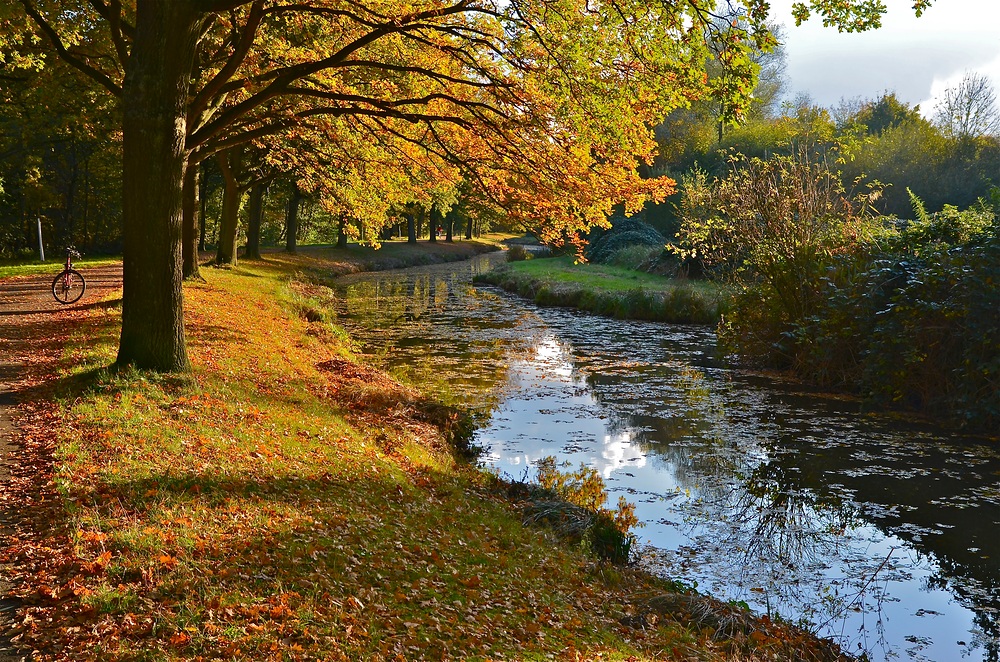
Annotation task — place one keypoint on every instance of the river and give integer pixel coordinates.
(878, 531)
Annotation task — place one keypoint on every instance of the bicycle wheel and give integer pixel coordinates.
(68, 286)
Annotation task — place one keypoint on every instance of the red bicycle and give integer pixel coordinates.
(69, 285)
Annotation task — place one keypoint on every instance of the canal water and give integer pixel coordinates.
(878, 531)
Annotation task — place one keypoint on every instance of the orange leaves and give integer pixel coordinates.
(167, 561)
(98, 565)
(180, 639)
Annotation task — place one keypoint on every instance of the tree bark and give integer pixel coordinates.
(255, 209)
(342, 232)
(292, 220)
(411, 228)
(225, 254)
(201, 208)
(191, 207)
(433, 220)
(154, 97)
(449, 226)
(468, 227)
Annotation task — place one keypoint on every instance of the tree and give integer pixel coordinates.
(292, 218)
(547, 104)
(969, 110)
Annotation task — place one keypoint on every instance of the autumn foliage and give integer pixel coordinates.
(285, 502)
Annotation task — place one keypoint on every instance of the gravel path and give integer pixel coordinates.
(32, 325)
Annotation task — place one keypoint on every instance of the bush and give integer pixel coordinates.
(604, 533)
(913, 326)
(624, 233)
(518, 253)
(905, 314)
(638, 257)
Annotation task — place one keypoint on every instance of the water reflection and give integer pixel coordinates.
(882, 533)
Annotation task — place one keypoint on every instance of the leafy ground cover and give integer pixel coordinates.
(612, 290)
(282, 501)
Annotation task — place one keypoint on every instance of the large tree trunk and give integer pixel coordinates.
(342, 232)
(449, 226)
(192, 213)
(255, 208)
(292, 220)
(468, 227)
(411, 228)
(225, 254)
(433, 220)
(154, 97)
(201, 207)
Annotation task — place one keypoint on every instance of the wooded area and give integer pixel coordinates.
(543, 109)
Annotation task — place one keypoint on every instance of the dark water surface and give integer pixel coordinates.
(879, 532)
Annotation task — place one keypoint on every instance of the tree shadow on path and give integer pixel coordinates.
(33, 328)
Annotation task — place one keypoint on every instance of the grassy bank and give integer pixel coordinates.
(610, 290)
(325, 261)
(51, 266)
(283, 502)
(325, 258)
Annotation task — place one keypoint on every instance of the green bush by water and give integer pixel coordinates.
(908, 319)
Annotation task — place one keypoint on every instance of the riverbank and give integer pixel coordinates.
(326, 258)
(282, 501)
(329, 261)
(610, 290)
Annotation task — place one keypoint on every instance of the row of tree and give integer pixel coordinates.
(543, 105)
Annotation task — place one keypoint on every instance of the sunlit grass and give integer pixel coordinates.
(247, 504)
(53, 265)
(613, 290)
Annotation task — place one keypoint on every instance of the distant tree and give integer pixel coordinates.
(969, 110)
(886, 112)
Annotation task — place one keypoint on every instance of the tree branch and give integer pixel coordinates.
(71, 59)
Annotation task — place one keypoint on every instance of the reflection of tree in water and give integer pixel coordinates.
(416, 324)
(768, 496)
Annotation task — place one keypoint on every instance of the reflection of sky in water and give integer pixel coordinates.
(561, 407)
(882, 532)
(788, 554)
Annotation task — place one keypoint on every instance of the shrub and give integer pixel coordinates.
(624, 233)
(905, 314)
(911, 325)
(605, 533)
(639, 257)
(518, 253)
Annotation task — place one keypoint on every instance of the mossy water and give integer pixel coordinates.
(877, 531)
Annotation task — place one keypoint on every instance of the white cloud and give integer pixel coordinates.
(916, 58)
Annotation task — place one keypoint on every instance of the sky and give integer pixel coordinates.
(917, 58)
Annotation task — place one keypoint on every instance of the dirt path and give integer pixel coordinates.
(32, 328)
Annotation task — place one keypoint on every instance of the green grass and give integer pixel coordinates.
(9, 268)
(612, 290)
